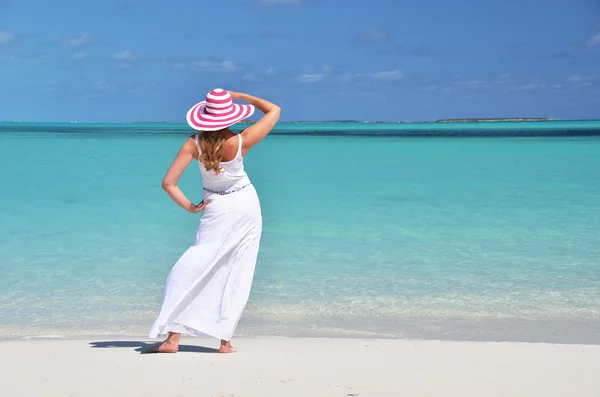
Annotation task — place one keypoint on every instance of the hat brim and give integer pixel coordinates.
(199, 120)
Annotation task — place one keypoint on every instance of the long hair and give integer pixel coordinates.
(211, 148)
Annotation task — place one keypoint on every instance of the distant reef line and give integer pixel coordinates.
(460, 120)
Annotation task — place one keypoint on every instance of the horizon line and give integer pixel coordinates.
(246, 122)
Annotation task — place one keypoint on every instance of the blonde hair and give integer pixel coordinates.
(211, 148)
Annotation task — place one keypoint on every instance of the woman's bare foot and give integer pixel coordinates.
(226, 347)
(163, 347)
(170, 345)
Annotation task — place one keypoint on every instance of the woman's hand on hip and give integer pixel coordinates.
(194, 209)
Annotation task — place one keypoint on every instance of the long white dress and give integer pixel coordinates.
(208, 288)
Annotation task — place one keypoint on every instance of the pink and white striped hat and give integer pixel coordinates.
(217, 112)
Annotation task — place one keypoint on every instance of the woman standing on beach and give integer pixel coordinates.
(208, 288)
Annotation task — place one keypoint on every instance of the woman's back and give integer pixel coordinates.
(231, 174)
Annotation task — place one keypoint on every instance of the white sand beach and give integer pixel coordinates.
(298, 367)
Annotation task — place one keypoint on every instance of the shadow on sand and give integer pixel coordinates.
(142, 346)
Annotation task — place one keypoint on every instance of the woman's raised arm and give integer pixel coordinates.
(257, 131)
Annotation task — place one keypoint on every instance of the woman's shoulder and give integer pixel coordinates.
(191, 140)
(189, 145)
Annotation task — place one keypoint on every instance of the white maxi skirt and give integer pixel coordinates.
(208, 288)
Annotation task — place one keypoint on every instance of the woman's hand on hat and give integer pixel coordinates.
(234, 95)
(194, 209)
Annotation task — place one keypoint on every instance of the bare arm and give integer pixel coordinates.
(256, 132)
(169, 183)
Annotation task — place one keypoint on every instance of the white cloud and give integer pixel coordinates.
(79, 40)
(594, 40)
(270, 72)
(25, 58)
(575, 79)
(384, 75)
(389, 75)
(504, 83)
(529, 87)
(348, 77)
(315, 76)
(210, 66)
(312, 77)
(476, 84)
(507, 84)
(6, 37)
(580, 81)
(255, 77)
(79, 55)
(280, 2)
(124, 55)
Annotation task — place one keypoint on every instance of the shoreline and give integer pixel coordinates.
(298, 367)
(188, 340)
(213, 341)
(565, 332)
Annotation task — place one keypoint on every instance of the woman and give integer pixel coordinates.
(208, 288)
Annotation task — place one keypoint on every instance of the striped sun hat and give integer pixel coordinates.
(217, 112)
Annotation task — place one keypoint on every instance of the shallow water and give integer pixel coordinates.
(463, 238)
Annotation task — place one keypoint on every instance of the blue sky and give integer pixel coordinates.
(123, 60)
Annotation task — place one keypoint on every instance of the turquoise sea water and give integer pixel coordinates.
(462, 237)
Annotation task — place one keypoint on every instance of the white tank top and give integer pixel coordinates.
(233, 175)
